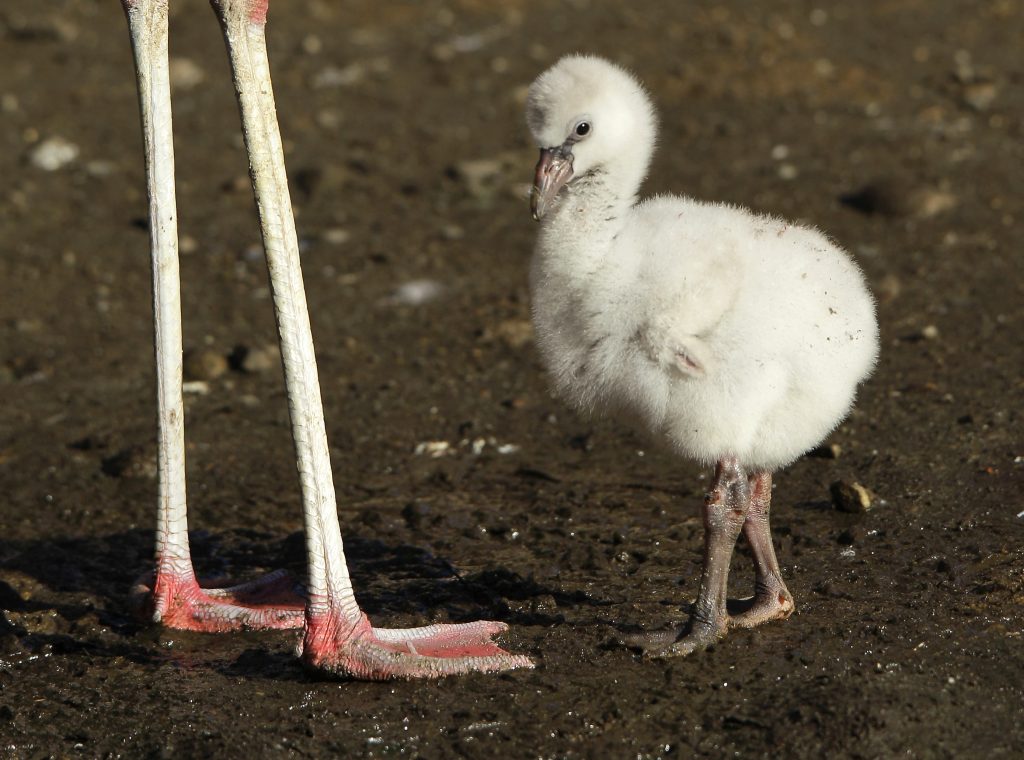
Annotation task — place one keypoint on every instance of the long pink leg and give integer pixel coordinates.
(338, 636)
(771, 600)
(171, 594)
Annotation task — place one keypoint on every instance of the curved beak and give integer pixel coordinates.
(554, 169)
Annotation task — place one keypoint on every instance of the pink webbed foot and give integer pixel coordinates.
(361, 651)
(274, 601)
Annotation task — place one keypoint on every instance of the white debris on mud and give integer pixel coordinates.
(416, 293)
(476, 447)
(53, 153)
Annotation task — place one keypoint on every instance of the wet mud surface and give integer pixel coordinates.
(894, 126)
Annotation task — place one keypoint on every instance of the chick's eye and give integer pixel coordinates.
(583, 129)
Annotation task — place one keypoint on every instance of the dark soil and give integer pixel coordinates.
(901, 126)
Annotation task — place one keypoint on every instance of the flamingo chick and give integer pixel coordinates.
(737, 337)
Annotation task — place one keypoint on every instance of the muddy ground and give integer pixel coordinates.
(895, 126)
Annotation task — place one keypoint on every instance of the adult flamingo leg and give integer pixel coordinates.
(338, 636)
(171, 594)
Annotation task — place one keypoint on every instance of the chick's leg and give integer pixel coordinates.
(725, 511)
(771, 600)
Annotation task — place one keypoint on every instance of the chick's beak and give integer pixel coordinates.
(554, 169)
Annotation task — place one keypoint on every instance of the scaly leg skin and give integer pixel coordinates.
(361, 651)
(771, 600)
(171, 595)
(338, 637)
(176, 600)
(725, 510)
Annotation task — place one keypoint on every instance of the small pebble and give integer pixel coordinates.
(926, 203)
(788, 171)
(255, 360)
(100, 168)
(897, 198)
(336, 236)
(515, 333)
(185, 73)
(888, 288)
(980, 95)
(53, 153)
(452, 232)
(433, 449)
(311, 44)
(416, 292)
(471, 43)
(132, 462)
(330, 118)
(850, 497)
(826, 451)
(203, 364)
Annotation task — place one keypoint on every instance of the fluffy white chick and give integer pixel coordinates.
(737, 337)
